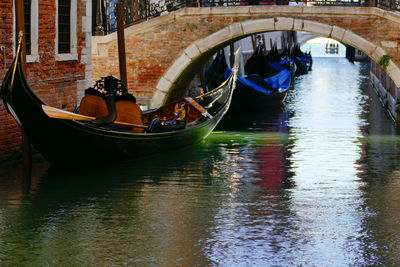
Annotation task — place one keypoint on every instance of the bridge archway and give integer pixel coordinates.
(172, 82)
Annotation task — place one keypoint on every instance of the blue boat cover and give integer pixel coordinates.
(281, 80)
(277, 82)
(305, 59)
(279, 66)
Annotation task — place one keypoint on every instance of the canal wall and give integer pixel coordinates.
(386, 90)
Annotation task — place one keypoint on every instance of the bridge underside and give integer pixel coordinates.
(163, 54)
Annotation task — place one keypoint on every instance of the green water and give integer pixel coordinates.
(315, 183)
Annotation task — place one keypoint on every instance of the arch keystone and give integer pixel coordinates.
(261, 25)
(283, 23)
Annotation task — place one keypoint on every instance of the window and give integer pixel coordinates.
(27, 19)
(64, 26)
(66, 34)
(31, 17)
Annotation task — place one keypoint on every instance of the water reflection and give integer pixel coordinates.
(314, 183)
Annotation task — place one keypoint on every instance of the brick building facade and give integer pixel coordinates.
(58, 56)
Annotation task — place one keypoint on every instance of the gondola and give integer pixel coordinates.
(82, 140)
(303, 61)
(252, 93)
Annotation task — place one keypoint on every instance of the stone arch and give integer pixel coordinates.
(202, 48)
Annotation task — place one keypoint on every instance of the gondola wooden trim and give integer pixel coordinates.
(66, 115)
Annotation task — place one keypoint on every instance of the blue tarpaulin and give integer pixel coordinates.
(279, 66)
(278, 81)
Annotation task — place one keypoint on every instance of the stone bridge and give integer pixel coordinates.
(165, 52)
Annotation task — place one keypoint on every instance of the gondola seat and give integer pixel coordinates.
(93, 105)
(128, 111)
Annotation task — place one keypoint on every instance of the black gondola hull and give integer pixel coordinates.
(65, 141)
(246, 99)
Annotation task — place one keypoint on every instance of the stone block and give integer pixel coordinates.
(236, 30)
(86, 59)
(317, 10)
(265, 9)
(194, 11)
(337, 33)
(284, 24)
(377, 54)
(394, 73)
(213, 40)
(86, 24)
(376, 11)
(88, 40)
(177, 67)
(192, 51)
(260, 25)
(395, 17)
(157, 99)
(229, 11)
(163, 85)
(316, 27)
(358, 42)
(298, 24)
(89, 8)
(389, 44)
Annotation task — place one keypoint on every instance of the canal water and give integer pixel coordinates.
(314, 183)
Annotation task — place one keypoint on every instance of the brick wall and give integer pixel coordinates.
(55, 82)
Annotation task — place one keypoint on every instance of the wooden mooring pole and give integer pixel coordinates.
(264, 44)
(26, 145)
(121, 43)
(232, 54)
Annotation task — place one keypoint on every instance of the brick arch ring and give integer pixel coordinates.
(245, 28)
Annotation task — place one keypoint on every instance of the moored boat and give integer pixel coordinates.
(68, 137)
(252, 92)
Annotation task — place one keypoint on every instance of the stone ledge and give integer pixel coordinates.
(253, 26)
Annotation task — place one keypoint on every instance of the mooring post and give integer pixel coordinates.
(26, 145)
(232, 54)
(264, 44)
(121, 43)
